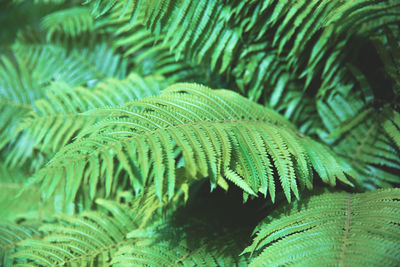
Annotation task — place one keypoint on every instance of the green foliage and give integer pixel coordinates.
(11, 236)
(331, 229)
(215, 134)
(32, 72)
(71, 21)
(59, 115)
(111, 138)
(363, 135)
(190, 237)
(275, 43)
(87, 239)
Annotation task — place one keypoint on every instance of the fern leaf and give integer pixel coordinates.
(150, 54)
(89, 238)
(26, 81)
(235, 178)
(58, 117)
(204, 125)
(364, 135)
(336, 228)
(188, 240)
(72, 21)
(78, 67)
(392, 128)
(11, 236)
(163, 253)
(281, 28)
(17, 93)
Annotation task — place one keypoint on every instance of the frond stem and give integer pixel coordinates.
(74, 159)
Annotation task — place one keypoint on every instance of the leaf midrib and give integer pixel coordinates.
(125, 140)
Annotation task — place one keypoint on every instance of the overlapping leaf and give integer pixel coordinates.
(332, 229)
(278, 42)
(87, 239)
(367, 136)
(204, 133)
(58, 117)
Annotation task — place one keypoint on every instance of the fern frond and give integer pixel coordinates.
(332, 229)
(149, 55)
(81, 66)
(217, 134)
(391, 126)
(202, 233)
(10, 236)
(73, 22)
(26, 80)
(11, 114)
(364, 135)
(90, 238)
(125, 155)
(18, 91)
(189, 25)
(304, 40)
(153, 252)
(59, 117)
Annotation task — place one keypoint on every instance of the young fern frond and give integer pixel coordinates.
(332, 229)
(205, 133)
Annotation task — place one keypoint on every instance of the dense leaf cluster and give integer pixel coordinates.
(114, 129)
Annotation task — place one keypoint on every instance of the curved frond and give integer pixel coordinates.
(91, 237)
(26, 76)
(18, 91)
(149, 55)
(205, 252)
(204, 232)
(11, 235)
(59, 117)
(72, 21)
(332, 229)
(81, 66)
(280, 41)
(217, 134)
(365, 135)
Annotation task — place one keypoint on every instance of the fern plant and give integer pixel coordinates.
(114, 128)
(335, 228)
